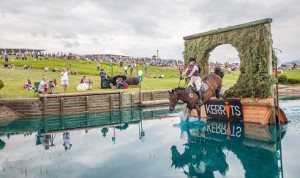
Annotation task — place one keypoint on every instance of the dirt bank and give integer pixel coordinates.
(289, 91)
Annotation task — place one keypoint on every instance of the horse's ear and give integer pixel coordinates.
(170, 92)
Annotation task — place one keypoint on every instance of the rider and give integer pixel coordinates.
(193, 71)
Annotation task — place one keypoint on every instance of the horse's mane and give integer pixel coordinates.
(219, 72)
(178, 88)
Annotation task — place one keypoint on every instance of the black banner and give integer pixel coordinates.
(220, 109)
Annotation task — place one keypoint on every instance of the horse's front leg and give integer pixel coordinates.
(198, 108)
(217, 93)
(186, 114)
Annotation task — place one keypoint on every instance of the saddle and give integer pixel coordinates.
(204, 87)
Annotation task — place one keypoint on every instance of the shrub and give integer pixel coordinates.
(293, 81)
(283, 79)
(1, 84)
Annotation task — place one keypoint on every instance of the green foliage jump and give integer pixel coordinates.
(254, 44)
(1, 84)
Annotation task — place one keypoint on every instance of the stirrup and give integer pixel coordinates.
(200, 102)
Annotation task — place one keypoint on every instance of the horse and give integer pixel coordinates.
(188, 95)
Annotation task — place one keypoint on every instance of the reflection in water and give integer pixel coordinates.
(46, 127)
(47, 140)
(104, 131)
(136, 144)
(66, 138)
(256, 146)
(2, 144)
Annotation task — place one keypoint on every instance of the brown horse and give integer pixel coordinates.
(190, 97)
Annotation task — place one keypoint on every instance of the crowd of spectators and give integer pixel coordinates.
(152, 61)
(284, 66)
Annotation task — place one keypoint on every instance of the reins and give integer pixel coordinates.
(185, 83)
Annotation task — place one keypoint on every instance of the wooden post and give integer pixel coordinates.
(87, 103)
(45, 124)
(132, 113)
(132, 100)
(277, 94)
(62, 105)
(141, 115)
(62, 121)
(111, 101)
(152, 96)
(121, 115)
(44, 105)
(87, 119)
(140, 93)
(111, 115)
(120, 99)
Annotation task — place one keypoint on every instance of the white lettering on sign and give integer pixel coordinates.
(220, 109)
(236, 131)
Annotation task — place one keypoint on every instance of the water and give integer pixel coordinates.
(148, 143)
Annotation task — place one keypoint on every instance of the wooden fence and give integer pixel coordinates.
(53, 104)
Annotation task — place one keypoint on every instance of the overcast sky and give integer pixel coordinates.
(139, 27)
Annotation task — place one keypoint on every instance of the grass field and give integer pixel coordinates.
(14, 78)
(292, 74)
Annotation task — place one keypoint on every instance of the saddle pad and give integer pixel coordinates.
(204, 87)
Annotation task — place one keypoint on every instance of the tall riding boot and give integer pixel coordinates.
(200, 97)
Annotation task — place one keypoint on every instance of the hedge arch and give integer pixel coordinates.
(253, 42)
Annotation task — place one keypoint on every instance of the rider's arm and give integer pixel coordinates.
(184, 73)
(192, 73)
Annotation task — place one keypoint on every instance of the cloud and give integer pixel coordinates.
(71, 44)
(138, 27)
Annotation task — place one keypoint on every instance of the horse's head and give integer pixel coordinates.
(173, 99)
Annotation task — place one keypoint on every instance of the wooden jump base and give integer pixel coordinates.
(254, 110)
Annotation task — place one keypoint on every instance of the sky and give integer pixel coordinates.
(140, 27)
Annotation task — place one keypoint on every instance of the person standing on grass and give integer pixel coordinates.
(180, 69)
(64, 79)
(131, 70)
(98, 66)
(145, 71)
(125, 68)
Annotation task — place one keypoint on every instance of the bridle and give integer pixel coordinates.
(173, 100)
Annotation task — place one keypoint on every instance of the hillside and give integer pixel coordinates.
(84, 67)
(297, 61)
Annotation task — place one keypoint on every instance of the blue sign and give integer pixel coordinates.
(140, 78)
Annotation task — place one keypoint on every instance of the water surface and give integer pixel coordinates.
(148, 143)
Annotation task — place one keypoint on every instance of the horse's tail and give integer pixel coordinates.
(219, 72)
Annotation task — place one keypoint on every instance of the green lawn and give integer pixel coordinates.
(14, 78)
(88, 68)
(292, 74)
